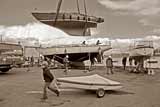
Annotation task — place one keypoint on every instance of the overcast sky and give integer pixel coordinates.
(123, 18)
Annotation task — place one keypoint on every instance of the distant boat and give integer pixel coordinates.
(142, 48)
(140, 52)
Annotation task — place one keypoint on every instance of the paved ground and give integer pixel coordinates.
(19, 88)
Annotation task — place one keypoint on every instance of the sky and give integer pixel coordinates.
(123, 19)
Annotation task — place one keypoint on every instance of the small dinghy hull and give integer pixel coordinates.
(93, 82)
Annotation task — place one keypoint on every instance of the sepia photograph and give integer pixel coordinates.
(79, 53)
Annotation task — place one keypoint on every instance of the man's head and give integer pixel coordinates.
(67, 56)
(44, 64)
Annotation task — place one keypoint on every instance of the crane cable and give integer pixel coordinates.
(57, 12)
(78, 7)
(85, 26)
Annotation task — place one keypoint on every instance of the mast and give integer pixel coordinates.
(58, 10)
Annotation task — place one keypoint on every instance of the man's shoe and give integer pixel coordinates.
(44, 98)
(58, 93)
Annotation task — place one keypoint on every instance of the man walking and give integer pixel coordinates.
(48, 78)
(66, 63)
(124, 60)
(109, 65)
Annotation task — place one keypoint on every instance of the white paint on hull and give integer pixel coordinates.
(141, 52)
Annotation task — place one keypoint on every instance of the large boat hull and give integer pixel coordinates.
(74, 49)
(74, 24)
(63, 19)
(77, 54)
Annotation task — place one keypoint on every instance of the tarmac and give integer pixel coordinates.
(22, 88)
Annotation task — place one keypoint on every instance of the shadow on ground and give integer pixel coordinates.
(118, 92)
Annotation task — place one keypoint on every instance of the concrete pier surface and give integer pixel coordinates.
(22, 88)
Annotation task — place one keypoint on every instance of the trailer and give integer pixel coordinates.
(94, 82)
